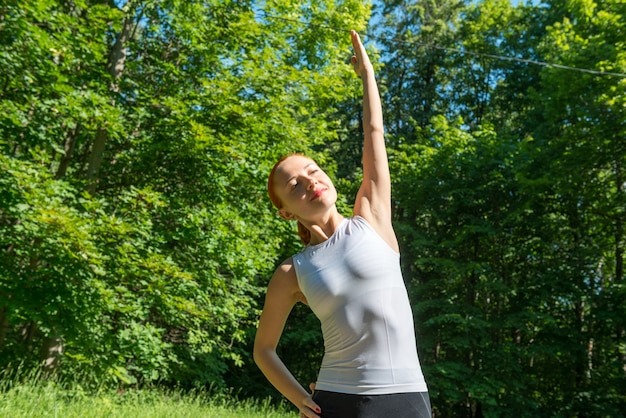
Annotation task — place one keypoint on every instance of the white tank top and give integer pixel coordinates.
(353, 284)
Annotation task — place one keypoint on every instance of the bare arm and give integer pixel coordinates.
(373, 201)
(282, 294)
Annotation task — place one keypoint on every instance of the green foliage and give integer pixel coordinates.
(136, 138)
(35, 398)
(50, 268)
(511, 230)
(456, 193)
(136, 238)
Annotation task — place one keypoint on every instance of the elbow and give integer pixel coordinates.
(259, 354)
(256, 355)
(264, 356)
(376, 128)
(255, 352)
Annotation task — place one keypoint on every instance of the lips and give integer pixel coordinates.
(317, 193)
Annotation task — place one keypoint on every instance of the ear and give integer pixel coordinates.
(285, 214)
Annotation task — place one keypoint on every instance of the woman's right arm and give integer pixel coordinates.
(283, 293)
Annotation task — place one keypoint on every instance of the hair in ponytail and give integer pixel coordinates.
(303, 232)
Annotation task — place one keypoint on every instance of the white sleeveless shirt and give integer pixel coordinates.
(353, 284)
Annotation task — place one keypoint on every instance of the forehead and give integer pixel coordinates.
(292, 166)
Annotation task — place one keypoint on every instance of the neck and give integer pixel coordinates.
(321, 231)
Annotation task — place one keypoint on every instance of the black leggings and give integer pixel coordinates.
(395, 405)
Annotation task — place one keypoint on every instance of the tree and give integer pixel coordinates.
(582, 149)
(509, 217)
(416, 72)
(150, 126)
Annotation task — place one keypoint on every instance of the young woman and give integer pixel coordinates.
(349, 274)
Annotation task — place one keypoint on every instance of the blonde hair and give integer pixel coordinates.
(303, 231)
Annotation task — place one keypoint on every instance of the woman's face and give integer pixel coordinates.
(303, 188)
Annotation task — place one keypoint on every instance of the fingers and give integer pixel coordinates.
(357, 45)
(360, 61)
(308, 413)
(310, 409)
(356, 39)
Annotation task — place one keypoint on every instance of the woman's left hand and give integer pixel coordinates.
(360, 60)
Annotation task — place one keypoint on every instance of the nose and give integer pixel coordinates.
(312, 183)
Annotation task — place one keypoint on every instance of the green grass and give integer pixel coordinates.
(49, 399)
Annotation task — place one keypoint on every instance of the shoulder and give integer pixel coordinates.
(285, 272)
(284, 282)
(383, 227)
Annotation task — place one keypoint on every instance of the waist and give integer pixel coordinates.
(370, 381)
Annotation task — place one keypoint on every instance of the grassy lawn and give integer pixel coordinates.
(49, 400)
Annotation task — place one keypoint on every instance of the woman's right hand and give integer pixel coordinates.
(310, 409)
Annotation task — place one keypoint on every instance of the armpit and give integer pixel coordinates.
(300, 298)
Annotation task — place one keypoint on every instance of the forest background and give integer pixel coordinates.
(136, 237)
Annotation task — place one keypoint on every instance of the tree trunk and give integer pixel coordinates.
(28, 333)
(4, 325)
(96, 157)
(51, 352)
(117, 56)
(115, 67)
(619, 252)
(70, 142)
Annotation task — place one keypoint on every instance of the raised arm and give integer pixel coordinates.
(373, 201)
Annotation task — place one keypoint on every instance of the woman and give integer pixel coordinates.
(349, 275)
